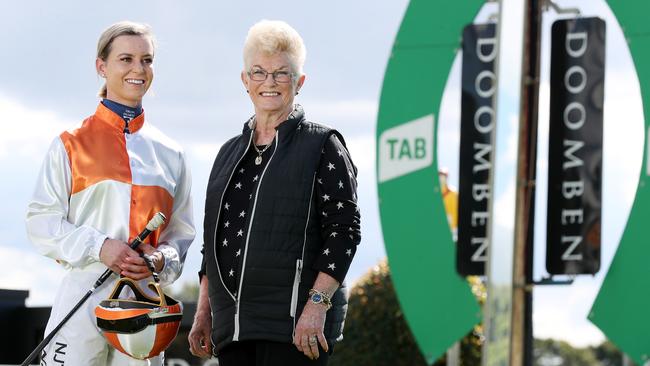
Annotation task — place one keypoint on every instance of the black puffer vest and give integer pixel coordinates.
(283, 239)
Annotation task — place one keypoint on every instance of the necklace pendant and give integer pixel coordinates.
(258, 160)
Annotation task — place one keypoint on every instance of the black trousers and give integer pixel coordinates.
(266, 353)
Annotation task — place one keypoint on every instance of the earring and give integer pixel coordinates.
(103, 75)
(247, 92)
(297, 92)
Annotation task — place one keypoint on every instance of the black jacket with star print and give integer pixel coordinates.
(286, 231)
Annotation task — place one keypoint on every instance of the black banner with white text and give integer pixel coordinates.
(575, 146)
(477, 124)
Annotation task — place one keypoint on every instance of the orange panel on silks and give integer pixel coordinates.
(146, 201)
(119, 176)
(97, 149)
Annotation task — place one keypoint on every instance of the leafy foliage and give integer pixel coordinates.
(377, 334)
(551, 352)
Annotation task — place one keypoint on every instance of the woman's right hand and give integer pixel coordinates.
(199, 337)
(200, 334)
(114, 253)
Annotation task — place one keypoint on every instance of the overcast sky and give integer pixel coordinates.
(49, 84)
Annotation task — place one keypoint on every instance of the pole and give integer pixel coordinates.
(453, 355)
(505, 204)
(522, 300)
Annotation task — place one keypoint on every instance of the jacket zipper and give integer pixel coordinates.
(214, 237)
(299, 262)
(248, 237)
(294, 292)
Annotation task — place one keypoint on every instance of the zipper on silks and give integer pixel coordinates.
(235, 336)
(299, 262)
(216, 226)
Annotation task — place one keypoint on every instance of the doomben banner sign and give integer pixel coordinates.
(575, 148)
(437, 303)
(477, 122)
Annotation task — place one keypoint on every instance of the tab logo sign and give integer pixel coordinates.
(406, 148)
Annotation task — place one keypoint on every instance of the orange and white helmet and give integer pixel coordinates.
(142, 327)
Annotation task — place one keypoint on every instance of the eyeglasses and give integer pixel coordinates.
(280, 76)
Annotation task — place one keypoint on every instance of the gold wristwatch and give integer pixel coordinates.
(319, 297)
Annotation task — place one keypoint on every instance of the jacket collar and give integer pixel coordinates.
(109, 117)
(292, 122)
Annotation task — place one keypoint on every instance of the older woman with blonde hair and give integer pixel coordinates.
(281, 222)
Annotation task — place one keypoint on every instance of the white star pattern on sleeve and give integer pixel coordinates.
(226, 206)
(238, 253)
(336, 199)
(242, 170)
(225, 242)
(242, 214)
(255, 178)
(238, 185)
(226, 224)
(231, 273)
(240, 232)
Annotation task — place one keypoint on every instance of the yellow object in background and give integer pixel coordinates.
(450, 200)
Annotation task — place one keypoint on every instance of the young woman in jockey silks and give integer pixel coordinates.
(99, 185)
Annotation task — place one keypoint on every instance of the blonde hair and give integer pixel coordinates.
(123, 28)
(272, 37)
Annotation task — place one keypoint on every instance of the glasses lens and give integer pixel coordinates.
(258, 75)
(282, 76)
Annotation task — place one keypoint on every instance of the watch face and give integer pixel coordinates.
(317, 298)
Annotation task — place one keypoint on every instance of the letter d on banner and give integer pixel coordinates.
(575, 150)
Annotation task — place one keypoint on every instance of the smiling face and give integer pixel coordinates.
(128, 69)
(270, 96)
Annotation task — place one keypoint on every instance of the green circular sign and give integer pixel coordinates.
(437, 303)
(621, 307)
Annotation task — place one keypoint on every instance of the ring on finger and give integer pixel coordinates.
(313, 340)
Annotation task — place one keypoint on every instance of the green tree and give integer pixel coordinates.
(377, 334)
(551, 352)
(607, 354)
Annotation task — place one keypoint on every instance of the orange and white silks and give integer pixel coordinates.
(99, 182)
